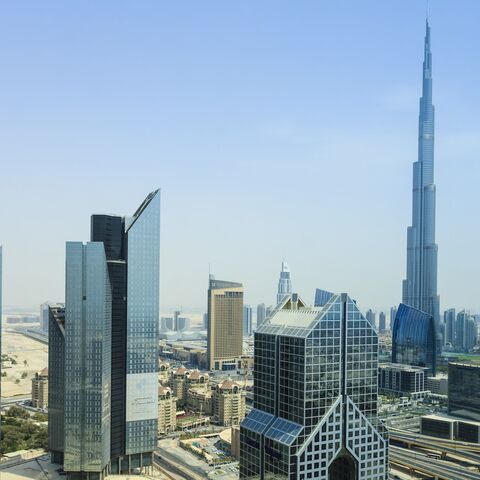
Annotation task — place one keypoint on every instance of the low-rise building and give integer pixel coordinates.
(164, 372)
(400, 380)
(179, 384)
(40, 389)
(167, 410)
(229, 403)
(451, 428)
(438, 385)
(199, 399)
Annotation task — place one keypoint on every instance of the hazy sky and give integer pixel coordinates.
(275, 129)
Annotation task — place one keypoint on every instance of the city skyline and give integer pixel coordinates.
(48, 130)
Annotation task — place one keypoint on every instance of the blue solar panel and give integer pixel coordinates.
(257, 421)
(284, 431)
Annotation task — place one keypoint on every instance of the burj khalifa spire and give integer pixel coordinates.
(420, 286)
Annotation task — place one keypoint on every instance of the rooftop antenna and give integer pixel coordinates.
(428, 9)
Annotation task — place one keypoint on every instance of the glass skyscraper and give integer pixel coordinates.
(315, 396)
(322, 297)
(413, 338)
(284, 283)
(420, 285)
(110, 348)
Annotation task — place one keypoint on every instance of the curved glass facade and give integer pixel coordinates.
(414, 338)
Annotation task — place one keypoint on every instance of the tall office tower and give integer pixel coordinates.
(56, 380)
(322, 297)
(464, 390)
(44, 316)
(371, 318)
(393, 314)
(225, 324)
(420, 285)
(126, 352)
(247, 320)
(176, 314)
(315, 396)
(284, 283)
(382, 322)
(466, 331)
(449, 320)
(205, 321)
(414, 339)
(261, 313)
(88, 318)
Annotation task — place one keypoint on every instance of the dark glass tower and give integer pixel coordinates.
(420, 285)
(315, 396)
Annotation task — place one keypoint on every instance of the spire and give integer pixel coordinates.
(427, 60)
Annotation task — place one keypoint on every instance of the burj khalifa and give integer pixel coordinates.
(420, 286)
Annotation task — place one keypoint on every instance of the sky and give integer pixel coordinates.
(275, 129)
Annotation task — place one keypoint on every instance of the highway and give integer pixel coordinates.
(429, 466)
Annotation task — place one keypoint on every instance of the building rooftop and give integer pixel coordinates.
(401, 366)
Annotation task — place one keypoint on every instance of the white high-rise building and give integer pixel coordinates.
(284, 283)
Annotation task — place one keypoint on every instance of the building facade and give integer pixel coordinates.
(261, 313)
(110, 402)
(402, 380)
(449, 321)
(225, 324)
(284, 288)
(40, 389)
(315, 396)
(229, 403)
(465, 331)
(167, 411)
(464, 390)
(247, 320)
(414, 338)
(382, 322)
(420, 285)
(322, 297)
(56, 390)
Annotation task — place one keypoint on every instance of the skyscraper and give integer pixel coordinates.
(420, 285)
(247, 320)
(225, 324)
(393, 314)
(465, 331)
(449, 321)
(88, 319)
(382, 322)
(44, 316)
(315, 396)
(261, 313)
(284, 283)
(413, 338)
(322, 297)
(371, 317)
(112, 304)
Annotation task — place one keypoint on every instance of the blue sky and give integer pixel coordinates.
(275, 129)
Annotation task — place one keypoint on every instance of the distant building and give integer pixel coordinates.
(247, 320)
(438, 385)
(371, 318)
(179, 384)
(315, 413)
(40, 389)
(284, 283)
(225, 324)
(229, 403)
(164, 372)
(449, 321)
(450, 428)
(466, 331)
(382, 322)
(261, 313)
(56, 391)
(44, 316)
(414, 338)
(205, 321)
(393, 314)
(464, 390)
(199, 399)
(322, 297)
(167, 410)
(401, 380)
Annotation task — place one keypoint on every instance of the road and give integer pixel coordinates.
(430, 466)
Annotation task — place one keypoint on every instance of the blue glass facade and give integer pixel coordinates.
(143, 276)
(322, 297)
(87, 358)
(414, 338)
